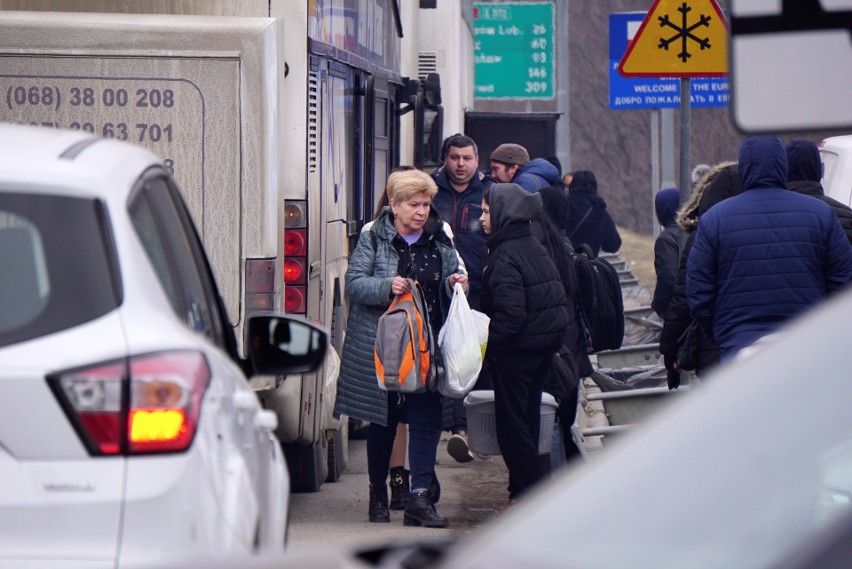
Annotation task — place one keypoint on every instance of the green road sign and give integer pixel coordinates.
(513, 46)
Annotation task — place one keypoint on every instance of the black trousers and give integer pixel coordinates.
(518, 381)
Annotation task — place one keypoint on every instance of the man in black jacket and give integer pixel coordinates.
(524, 296)
(804, 170)
(459, 201)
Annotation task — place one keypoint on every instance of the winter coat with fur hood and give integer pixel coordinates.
(723, 181)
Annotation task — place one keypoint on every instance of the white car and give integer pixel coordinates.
(129, 435)
(836, 155)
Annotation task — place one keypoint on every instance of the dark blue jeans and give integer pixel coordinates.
(423, 412)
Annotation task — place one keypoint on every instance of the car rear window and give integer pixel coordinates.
(57, 265)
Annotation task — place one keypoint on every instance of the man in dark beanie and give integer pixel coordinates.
(511, 163)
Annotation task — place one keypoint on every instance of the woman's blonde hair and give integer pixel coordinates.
(406, 183)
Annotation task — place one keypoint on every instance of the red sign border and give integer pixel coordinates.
(641, 29)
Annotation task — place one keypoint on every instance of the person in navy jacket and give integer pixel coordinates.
(666, 252)
(764, 256)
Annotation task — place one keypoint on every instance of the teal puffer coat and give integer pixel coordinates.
(368, 284)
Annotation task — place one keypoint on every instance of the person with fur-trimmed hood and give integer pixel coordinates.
(804, 170)
(721, 182)
(764, 256)
(523, 295)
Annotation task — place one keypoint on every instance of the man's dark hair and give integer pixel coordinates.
(458, 140)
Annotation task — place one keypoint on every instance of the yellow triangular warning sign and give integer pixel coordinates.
(679, 38)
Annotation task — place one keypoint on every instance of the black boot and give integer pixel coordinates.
(400, 487)
(435, 489)
(420, 511)
(379, 504)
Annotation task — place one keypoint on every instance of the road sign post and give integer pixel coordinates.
(679, 38)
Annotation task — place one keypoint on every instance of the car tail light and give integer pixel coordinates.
(165, 400)
(147, 404)
(295, 248)
(92, 399)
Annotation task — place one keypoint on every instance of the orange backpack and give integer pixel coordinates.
(406, 353)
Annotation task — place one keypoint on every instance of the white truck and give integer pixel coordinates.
(280, 120)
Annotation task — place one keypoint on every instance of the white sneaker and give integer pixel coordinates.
(458, 449)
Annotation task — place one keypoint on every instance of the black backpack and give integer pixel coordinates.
(600, 306)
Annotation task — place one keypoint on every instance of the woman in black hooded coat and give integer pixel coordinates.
(589, 222)
(524, 297)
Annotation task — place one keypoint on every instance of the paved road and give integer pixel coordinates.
(337, 514)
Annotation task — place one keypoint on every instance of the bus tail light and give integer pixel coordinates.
(294, 300)
(260, 284)
(295, 248)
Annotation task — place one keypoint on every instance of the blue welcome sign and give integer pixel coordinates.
(650, 92)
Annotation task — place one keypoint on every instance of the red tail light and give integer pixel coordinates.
(295, 249)
(294, 271)
(294, 300)
(165, 400)
(148, 404)
(295, 243)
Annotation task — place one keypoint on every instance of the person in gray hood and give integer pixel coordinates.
(523, 295)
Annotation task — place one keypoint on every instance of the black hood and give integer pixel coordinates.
(803, 161)
(555, 203)
(584, 182)
(724, 185)
(510, 203)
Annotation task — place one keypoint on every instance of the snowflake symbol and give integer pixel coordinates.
(684, 32)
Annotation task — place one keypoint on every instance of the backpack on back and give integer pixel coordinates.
(406, 353)
(600, 306)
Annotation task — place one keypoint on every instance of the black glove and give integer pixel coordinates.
(672, 374)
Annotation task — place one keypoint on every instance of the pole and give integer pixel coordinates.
(563, 124)
(685, 127)
(655, 167)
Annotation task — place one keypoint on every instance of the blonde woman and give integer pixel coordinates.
(405, 241)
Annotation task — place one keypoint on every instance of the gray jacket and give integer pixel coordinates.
(368, 284)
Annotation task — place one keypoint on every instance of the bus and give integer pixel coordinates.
(280, 120)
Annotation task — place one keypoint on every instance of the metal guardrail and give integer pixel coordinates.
(629, 356)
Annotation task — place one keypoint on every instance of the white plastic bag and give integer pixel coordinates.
(461, 340)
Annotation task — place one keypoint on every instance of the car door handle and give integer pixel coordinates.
(266, 420)
(245, 400)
